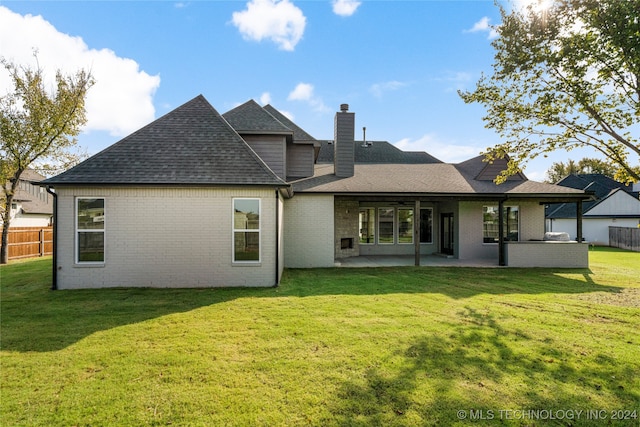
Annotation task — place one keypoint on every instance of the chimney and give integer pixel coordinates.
(344, 143)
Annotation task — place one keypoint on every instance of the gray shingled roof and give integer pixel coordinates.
(252, 118)
(299, 134)
(192, 144)
(423, 179)
(377, 152)
(602, 187)
(481, 170)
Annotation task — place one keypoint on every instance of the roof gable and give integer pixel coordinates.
(192, 144)
(600, 184)
(252, 118)
(482, 170)
(617, 202)
(299, 134)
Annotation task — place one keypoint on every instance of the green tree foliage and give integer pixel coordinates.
(36, 126)
(559, 170)
(564, 77)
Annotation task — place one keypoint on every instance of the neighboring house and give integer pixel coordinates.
(199, 199)
(615, 204)
(32, 206)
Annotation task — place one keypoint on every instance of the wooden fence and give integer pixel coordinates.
(27, 242)
(625, 238)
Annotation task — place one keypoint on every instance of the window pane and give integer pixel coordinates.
(490, 224)
(367, 225)
(246, 214)
(405, 225)
(426, 225)
(511, 226)
(90, 247)
(385, 225)
(246, 246)
(90, 214)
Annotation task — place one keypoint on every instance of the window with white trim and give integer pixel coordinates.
(386, 225)
(90, 229)
(405, 225)
(246, 230)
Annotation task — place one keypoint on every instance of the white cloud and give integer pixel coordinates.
(277, 20)
(455, 81)
(288, 115)
(379, 88)
(120, 102)
(305, 92)
(265, 98)
(302, 92)
(446, 151)
(345, 7)
(483, 25)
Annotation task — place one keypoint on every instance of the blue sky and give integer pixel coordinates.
(398, 64)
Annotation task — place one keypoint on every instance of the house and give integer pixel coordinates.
(32, 206)
(614, 204)
(200, 199)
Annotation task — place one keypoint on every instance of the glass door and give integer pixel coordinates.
(446, 233)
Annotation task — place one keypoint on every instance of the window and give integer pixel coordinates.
(405, 225)
(426, 225)
(367, 225)
(90, 219)
(246, 230)
(491, 224)
(385, 225)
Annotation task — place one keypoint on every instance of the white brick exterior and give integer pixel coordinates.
(308, 231)
(547, 254)
(166, 237)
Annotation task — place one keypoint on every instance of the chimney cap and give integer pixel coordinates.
(344, 107)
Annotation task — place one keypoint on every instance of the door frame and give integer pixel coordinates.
(447, 228)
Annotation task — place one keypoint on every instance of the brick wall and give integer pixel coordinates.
(308, 231)
(346, 227)
(166, 237)
(547, 254)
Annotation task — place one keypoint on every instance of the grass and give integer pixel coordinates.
(388, 346)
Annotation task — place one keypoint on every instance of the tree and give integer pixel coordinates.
(564, 77)
(36, 126)
(559, 170)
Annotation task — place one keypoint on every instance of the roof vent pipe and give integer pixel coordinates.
(344, 107)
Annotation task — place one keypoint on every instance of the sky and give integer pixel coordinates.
(398, 64)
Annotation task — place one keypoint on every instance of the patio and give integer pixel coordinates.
(409, 260)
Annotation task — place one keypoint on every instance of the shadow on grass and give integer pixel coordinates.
(37, 319)
(471, 369)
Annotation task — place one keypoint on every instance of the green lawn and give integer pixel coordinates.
(389, 346)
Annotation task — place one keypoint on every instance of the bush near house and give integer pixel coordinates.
(388, 346)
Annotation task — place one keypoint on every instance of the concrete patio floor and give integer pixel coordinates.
(409, 260)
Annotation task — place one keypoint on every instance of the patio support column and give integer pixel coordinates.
(501, 260)
(579, 221)
(416, 232)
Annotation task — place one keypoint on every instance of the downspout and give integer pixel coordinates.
(277, 239)
(54, 276)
